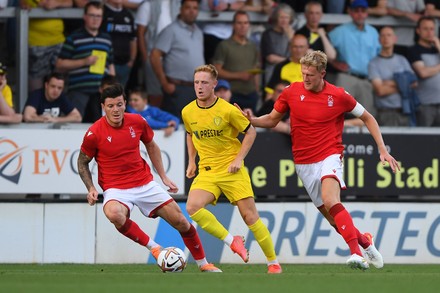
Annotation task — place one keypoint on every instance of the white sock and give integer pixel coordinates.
(272, 262)
(201, 262)
(228, 239)
(151, 244)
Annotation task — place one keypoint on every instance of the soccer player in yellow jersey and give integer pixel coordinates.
(212, 126)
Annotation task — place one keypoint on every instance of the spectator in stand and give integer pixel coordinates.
(237, 61)
(7, 114)
(284, 125)
(356, 43)
(290, 69)
(432, 8)
(275, 39)
(151, 18)
(297, 5)
(46, 37)
(49, 104)
(177, 51)
(215, 32)
(6, 89)
(73, 24)
(118, 22)
(223, 90)
(411, 10)
(156, 118)
(94, 109)
(316, 35)
(375, 7)
(424, 58)
(132, 4)
(381, 72)
(87, 55)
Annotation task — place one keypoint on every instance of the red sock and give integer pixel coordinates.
(362, 240)
(192, 241)
(345, 226)
(131, 230)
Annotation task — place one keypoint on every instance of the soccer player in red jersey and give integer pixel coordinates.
(317, 111)
(126, 179)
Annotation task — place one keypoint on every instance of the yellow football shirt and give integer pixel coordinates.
(214, 133)
(7, 94)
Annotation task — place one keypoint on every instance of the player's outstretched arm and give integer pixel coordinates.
(86, 177)
(371, 123)
(156, 159)
(266, 121)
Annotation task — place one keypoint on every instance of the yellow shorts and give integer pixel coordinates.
(234, 186)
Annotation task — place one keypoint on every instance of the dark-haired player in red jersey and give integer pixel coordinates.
(317, 111)
(126, 179)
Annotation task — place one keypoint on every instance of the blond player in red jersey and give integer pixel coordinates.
(317, 119)
(126, 179)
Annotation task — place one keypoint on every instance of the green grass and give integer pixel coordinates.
(323, 278)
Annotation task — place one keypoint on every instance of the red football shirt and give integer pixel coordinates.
(316, 120)
(116, 150)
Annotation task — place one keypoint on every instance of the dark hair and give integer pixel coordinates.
(183, 1)
(239, 12)
(423, 18)
(139, 91)
(56, 75)
(108, 80)
(113, 91)
(94, 3)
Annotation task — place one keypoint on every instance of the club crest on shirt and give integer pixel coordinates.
(109, 138)
(330, 101)
(217, 121)
(302, 97)
(132, 132)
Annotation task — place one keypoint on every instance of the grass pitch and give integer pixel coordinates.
(326, 278)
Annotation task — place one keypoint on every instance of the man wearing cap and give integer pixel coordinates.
(6, 89)
(223, 90)
(356, 44)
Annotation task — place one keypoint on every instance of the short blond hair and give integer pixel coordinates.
(316, 59)
(207, 68)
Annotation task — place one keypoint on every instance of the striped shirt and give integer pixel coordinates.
(79, 45)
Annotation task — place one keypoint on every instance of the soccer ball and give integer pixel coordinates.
(171, 259)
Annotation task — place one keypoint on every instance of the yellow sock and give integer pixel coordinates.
(209, 223)
(262, 235)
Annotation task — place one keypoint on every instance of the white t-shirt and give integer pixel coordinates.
(143, 15)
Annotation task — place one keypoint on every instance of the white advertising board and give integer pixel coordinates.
(45, 160)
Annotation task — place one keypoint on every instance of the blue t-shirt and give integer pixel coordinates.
(59, 107)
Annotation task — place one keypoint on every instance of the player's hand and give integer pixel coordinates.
(393, 163)
(235, 166)
(92, 196)
(246, 112)
(191, 170)
(172, 187)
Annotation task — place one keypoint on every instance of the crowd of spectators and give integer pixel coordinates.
(152, 48)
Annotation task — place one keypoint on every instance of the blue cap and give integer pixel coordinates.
(222, 84)
(359, 4)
